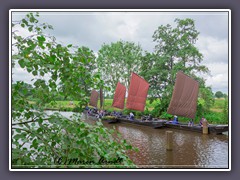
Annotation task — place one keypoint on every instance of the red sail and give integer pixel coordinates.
(184, 97)
(119, 96)
(94, 98)
(137, 93)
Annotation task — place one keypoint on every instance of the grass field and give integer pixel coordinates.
(218, 105)
(215, 116)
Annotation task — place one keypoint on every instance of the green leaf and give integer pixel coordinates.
(19, 162)
(34, 73)
(41, 38)
(21, 63)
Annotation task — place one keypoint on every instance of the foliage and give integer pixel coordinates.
(175, 51)
(25, 89)
(155, 71)
(83, 57)
(207, 97)
(39, 139)
(58, 137)
(166, 116)
(225, 110)
(219, 94)
(117, 61)
(219, 106)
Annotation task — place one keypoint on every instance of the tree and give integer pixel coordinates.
(25, 89)
(82, 57)
(225, 110)
(51, 140)
(116, 62)
(175, 51)
(219, 94)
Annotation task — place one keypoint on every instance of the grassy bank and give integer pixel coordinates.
(215, 116)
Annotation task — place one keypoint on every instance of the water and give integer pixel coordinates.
(190, 149)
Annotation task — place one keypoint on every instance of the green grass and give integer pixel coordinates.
(218, 105)
(215, 116)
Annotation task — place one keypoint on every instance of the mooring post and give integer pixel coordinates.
(205, 127)
(169, 140)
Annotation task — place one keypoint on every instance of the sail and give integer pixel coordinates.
(94, 98)
(184, 97)
(119, 96)
(137, 93)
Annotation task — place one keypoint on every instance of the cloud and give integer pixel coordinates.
(219, 77)
(92, 29)
(20, 74)
(213, 49)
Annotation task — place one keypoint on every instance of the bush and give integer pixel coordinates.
(167, 116)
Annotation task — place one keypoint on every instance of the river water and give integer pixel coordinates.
(190, 149)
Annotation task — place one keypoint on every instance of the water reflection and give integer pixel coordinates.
(190, 149)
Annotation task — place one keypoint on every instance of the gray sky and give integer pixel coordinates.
(92, 29)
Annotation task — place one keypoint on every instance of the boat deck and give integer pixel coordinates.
(157, 123)
(212, 129)
(161, 123)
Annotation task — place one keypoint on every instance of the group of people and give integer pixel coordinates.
(101, 113)
(95, 112)
(190, 123)
(147, 118)
(116, 114)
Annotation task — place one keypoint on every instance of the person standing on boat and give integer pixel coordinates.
(205, 120)
(190, 123)
(201, 121)
(175, 120)
(131, 116)
(149, 117)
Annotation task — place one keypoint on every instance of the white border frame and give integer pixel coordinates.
(121, 10)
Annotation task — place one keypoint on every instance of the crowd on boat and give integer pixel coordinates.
(101, 113)
(118, 114)
(190, 122)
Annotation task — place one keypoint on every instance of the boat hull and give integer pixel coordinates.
(212, 129)
(155, 123)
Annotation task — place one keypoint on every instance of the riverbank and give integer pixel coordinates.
(215, 116)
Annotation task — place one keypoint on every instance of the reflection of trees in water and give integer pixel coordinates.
(190, 149)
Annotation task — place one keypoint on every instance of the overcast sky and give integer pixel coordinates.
(92, 29)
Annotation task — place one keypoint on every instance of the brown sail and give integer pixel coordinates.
(184, 97)
(94, 98)
(137, 93)
(119, 96)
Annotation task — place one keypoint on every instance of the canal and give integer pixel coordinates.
(190, 149)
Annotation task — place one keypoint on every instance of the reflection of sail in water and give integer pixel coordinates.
(184, 97)
(94, 98)
(119, 96)
(137, 93)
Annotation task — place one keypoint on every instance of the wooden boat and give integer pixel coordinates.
(184, 103)
(212, 129)
(155, 123)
